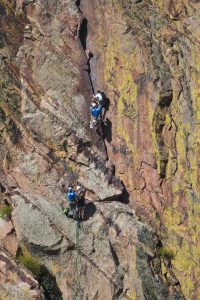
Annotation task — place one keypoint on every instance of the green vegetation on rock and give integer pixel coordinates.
(6, 211)
(166, 253)
(43, 276)
(31, 263)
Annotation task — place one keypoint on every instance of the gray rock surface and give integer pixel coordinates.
(16, 282)
(46, 143)
(110, 254)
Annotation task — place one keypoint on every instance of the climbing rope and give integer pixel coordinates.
(77, 260)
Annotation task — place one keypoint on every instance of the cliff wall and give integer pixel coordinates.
(140, 237)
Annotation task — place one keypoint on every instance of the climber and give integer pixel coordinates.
(96, 115)
(81, 201)
(96, 110)
(94, 124)
(94, 101)
(72, 199)
(99, 97)
(102, 100)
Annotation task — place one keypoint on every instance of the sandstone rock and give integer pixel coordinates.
(6, 227)
(144, 56)
(32, 225)
(10, 244)
(149, 70)
(16, 281)
(109, 253)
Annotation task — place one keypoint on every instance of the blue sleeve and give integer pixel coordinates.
(74, 195)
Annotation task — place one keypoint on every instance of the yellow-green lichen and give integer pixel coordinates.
(118, 74)
(184, 236)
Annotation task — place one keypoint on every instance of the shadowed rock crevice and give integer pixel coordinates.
(162, 110)
(83, 34)
(2, 188)
(115, 257)
(23, 280)
(149, 291)
(44, 277)
(49, 284)
(119, 275)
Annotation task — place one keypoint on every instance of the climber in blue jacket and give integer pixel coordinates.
(96, 110)
(72, 199)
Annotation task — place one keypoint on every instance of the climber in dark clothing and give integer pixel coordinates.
(81, 201)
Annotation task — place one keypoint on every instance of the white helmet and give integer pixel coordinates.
(94, 104)
(78, 188)
(70, 189)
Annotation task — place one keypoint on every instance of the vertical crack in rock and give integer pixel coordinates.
(119, 275)
(83, 34)
(165, 94)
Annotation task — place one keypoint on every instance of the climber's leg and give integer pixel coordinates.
(82, 209)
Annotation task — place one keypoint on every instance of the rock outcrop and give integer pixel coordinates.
(16, 282)
(8, 238)
(144, 56)
(110, 255)
(146, 59)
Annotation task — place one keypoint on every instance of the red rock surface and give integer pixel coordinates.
(16, 282)
(145, 57)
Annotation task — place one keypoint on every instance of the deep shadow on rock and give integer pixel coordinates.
(2, 188)
(125, 196)
(49, 284)
(107, 130)
(106, 102)
(90, 210)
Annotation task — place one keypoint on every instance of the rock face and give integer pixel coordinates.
(85, 262)
(8, 238)
(144, 55)
(16, 282)
(146, 59)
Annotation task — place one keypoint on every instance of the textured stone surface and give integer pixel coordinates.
(112, 252)
(145, 56)
(146, 59)
(11, 244)
(5, 228)
(16, 282)
(8, 238)
(32, 225)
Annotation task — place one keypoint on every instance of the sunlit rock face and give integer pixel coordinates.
(144, 55)
(16, 282)
(146, 59)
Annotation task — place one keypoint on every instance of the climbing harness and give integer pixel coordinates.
(71, 213)
(96, 108)
(95, 124)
